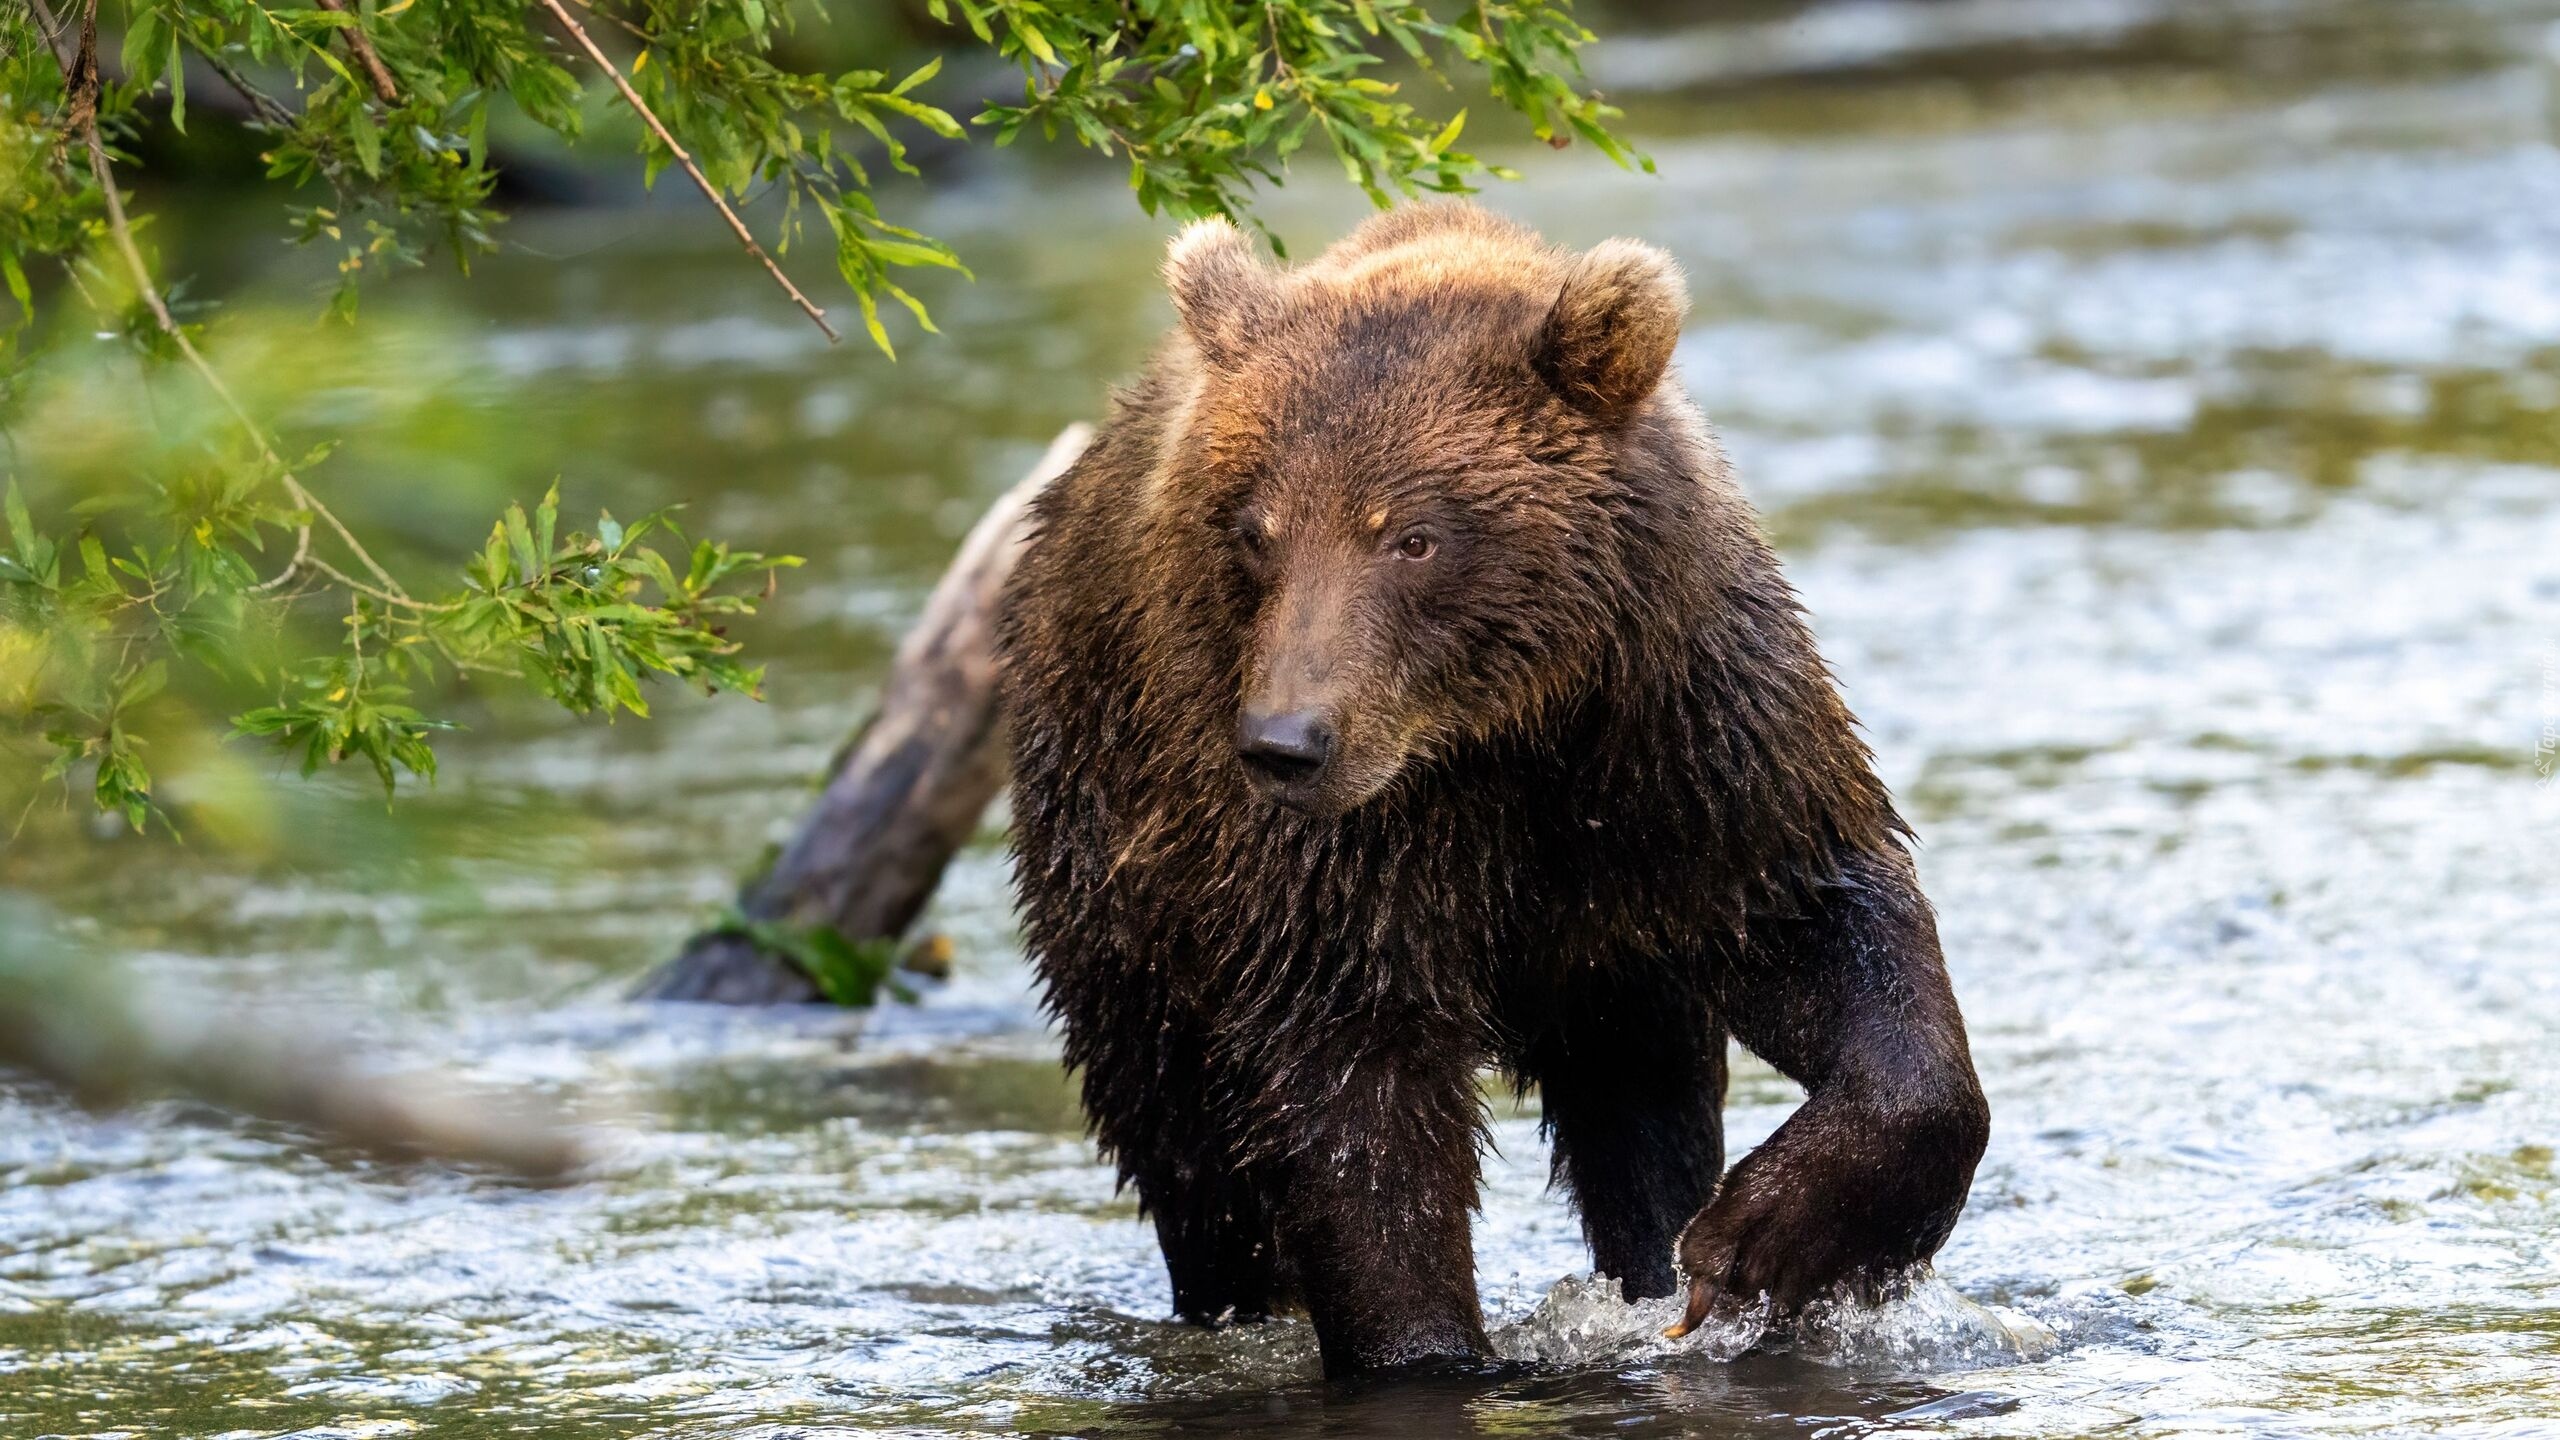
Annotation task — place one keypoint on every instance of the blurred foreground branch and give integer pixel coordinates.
(905, 795)
(82, 76)
(70, 1017)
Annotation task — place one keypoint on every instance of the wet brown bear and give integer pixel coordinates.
(1400, 686)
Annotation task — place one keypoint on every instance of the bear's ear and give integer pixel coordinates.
(1220, 287)
(1608, 338)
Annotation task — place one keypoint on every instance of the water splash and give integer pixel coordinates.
(1931, 1327)
(1583, 1322)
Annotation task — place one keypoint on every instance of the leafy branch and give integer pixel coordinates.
(209, 557)
(563, 610)
(1205, 100)
(710, 191)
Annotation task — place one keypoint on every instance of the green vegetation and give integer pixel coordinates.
(171, 549)
(847, 972)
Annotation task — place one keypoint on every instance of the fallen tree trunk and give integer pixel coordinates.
(906, 793)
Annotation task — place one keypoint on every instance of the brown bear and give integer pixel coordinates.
(1399, 687)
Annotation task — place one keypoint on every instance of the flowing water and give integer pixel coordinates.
(2159, 406)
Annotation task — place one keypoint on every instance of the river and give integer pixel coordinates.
(2158, 406)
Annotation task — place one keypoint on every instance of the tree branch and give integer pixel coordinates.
(364, 53)
(72, 1017)
(292, 567)
(262, 106)
(349, 582)
(710, 192)
(52, 30)
(80, 77)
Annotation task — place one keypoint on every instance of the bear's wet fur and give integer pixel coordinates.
(1400, 687)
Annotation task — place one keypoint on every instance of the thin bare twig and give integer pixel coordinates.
(364, 53)
(590, 7)
(349, 582)
(263, 106)
(292, 567)
(52, 30)
(702, 182)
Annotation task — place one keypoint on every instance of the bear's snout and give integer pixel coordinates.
(1285, 752)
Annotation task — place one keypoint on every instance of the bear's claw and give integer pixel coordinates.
(1701, 1300)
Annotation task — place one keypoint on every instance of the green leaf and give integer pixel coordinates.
(150, 680)
(22, 527)
(924, 72)
(528, 566)
(1448, 136)
(367, 137)
(1033, 41)
(900, 252)
(546, 525)
(16, 276)
(142, 37)
(703, 567)
(871, 321)
(933, 119)
(175, 73)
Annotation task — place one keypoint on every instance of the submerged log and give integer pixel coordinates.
(906, 793)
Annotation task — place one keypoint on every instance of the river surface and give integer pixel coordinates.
(2159, 408)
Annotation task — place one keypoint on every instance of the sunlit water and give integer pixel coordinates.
(2157, 404)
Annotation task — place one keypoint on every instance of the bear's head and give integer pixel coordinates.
(1404, 458)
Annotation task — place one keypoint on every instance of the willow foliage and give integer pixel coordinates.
(213, 556)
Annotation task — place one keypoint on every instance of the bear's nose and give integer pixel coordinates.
(1290, 746)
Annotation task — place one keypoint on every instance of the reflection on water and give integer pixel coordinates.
(2165, 438)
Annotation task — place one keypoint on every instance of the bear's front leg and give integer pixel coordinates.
(1865, 1180)
(1630, 1070)
(1377, 1149)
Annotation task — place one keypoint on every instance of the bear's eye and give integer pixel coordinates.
(1416, 546)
